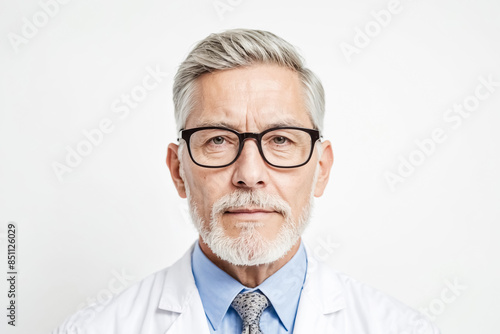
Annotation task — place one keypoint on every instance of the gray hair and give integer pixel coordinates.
(243, 47)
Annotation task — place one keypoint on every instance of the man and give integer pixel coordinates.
(250, 160)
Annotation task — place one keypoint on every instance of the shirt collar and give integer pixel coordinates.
(283, 288)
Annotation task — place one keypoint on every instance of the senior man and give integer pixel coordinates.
(250, 160)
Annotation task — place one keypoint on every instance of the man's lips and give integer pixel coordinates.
(249, 211)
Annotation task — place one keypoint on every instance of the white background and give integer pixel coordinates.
(117, 211)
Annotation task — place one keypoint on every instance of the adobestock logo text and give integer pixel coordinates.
(363, 36)
(30, 27)
(454, 117)
(121, 107)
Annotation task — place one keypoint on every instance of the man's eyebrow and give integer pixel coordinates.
(284, 123)
(220, 124)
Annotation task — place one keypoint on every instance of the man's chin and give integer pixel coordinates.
(248, 249)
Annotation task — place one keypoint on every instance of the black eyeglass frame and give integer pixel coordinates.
(187, 133)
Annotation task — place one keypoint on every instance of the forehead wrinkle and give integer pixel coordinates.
(224, 124)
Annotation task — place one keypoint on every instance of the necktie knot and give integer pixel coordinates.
(250, 307)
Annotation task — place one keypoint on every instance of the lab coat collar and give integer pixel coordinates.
(322, 295)
(179, 286)
(322, 298)
(323, 286)
(180, 297)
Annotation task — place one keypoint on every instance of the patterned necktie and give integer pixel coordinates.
(250, 307)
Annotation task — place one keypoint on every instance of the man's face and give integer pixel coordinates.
(250, 99)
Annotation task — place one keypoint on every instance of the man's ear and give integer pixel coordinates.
(173, 163)
(325, 165)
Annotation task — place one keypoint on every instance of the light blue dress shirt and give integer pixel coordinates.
(217, 290)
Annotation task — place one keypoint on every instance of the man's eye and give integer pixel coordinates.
(280, 140)
(218, 140)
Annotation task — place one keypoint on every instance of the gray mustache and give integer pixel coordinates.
(254, 198)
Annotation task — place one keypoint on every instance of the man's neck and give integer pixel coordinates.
(249, 276)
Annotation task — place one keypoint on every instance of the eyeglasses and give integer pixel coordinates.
(282, 147)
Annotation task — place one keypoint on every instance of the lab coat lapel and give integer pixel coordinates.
(320, 306)
(180, 298)
(321, 301)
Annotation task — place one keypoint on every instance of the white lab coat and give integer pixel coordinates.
(168, 302)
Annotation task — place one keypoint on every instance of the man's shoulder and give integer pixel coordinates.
(98, 317)
(372, 311)
(125, 312)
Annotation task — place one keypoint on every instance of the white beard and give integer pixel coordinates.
(250, 248)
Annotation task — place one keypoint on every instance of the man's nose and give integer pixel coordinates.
(250, 169)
